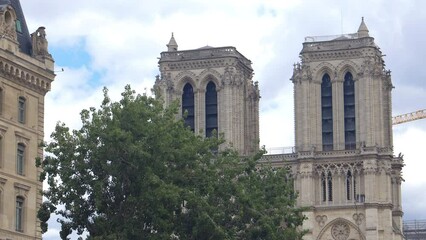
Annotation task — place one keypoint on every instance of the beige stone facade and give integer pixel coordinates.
(234, 107)
(345, 171)
(26, 73)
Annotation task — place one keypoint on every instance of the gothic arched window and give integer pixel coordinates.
(188, 105)
(349, 105)
(211, 109)
(330, 187)
(324, 187)
(327, 113)
(349, 185)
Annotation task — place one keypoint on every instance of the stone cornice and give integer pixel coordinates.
(338, 44)
(24, 76)
(205, 53)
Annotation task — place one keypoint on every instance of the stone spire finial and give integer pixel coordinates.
(363, 30)
(172, 46)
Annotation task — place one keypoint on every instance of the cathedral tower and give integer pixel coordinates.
(346, 174)
(26, 74)
(215, 89)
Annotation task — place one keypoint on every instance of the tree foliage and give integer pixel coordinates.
(134, 171)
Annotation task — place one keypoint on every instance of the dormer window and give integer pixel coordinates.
(18, 26)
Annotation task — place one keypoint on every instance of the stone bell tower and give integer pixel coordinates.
(215, 89)
(26, 74)
(346, 173)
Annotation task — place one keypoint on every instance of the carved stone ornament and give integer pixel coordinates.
(7, 23)
(39, 42)
(340, 231)
(358, 218)
(321, 220)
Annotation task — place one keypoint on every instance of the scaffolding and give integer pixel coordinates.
(414, 229)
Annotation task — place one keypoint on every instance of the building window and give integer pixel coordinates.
(1, 101)
(330, 186)
(326, 187)
(349, 183)
(188, 106)
(349, 106)
(327, 113)
(21, 110)
(18, 26)
(211, 109)
(19, 215)
(323, 187)
(20, 159)
(1, 151)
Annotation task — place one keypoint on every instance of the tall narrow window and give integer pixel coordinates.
(18, 26)
(349, 105)
(20, 159)
(330, 187)
(211, 109)
(349, 184)
(324, 187)
(327, 113)
(1, 101)
(19, 215)
(21, 110)
(188, 105)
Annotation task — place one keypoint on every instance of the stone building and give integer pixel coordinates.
(26, 74)
(215, 90)
(343, 164)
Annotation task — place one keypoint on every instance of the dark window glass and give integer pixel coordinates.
(330, 187)
(21, 110)
(348, 185)
(327, 113)
(19, 215)
(349, 114)
(20, 159)
(188, 106)
(324, 187)
(1, 101)
(211, 109)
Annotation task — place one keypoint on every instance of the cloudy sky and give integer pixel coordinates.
(113, 43)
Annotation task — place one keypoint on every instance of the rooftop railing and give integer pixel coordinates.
(331, 37)
(204, 53)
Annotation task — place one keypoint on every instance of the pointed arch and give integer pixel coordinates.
(355, 233)
(208, 75)
(347, 66)
(322, 69)
(327, 113)
(184, 77)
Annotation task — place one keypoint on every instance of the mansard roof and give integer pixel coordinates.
(24, 37)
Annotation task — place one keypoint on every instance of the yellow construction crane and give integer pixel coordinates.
(408, 117)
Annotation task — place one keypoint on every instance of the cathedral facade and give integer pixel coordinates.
(344, 170)
(26, 74)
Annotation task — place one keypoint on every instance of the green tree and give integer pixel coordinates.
(134, 171)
